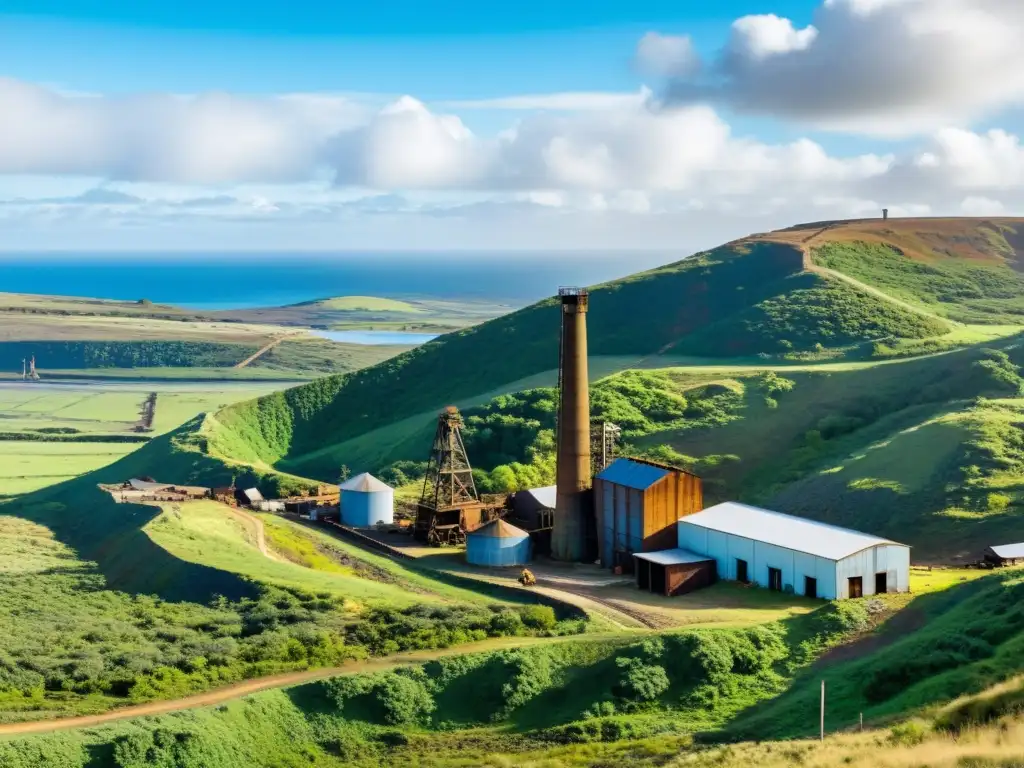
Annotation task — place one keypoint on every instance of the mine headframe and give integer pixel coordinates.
(449, 479)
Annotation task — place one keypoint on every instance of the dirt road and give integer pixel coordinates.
(287, 680)
(256, 526)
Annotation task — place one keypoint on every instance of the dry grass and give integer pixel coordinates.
(999, 746)
(919, 239)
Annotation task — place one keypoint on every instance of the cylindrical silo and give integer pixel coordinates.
(497, 544)
(366, 501)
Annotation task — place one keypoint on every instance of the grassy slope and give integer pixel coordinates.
(135, 603)
(740, 293)
(577, 703)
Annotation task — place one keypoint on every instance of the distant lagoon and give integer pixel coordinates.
(375, 338)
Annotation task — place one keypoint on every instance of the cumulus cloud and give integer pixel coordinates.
(665, 55)
(886, 67)
(323, 162)
(211, 138)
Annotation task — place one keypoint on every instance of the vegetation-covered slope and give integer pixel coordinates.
(838, 448)
(655, 701)
(739, 300)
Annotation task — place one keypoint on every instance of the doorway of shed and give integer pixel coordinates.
(775, 579)
(741, 571)
(810, 587)
(881, 583)
(856, 587)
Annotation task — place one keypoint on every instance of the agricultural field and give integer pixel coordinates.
(52, 433)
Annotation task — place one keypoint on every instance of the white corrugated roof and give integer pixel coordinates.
(672, 557)
(1009, 551)
(145, 485)
(546, 497)
(781, 530)
(365, 483)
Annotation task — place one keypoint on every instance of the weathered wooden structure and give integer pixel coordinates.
(638, 504)
(449, 506)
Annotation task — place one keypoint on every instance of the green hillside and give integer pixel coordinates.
(650, 701)
(862, 423)
(738, 301)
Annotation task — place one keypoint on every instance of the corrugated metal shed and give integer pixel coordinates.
(796, 533)
(144, 485)
(364, 483)
(673, 557)
(253, 494)
(545, 497)
(632, 474)
(497, 544)
(1009, 551)
(637, 505)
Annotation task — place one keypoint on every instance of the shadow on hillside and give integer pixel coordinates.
(89, 521)
(945, 644)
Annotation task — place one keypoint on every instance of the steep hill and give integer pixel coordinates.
(821, 297)
(742, 300)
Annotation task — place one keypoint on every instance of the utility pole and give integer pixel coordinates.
(822, 710)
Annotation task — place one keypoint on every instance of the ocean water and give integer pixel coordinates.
(234, 281)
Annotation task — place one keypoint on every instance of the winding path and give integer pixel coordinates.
(286, 680)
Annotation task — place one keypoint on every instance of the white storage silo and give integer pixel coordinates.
(366, 501)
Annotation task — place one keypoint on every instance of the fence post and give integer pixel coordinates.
(822, 710)
(862, 722)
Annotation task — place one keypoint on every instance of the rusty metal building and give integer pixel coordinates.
(638, 504)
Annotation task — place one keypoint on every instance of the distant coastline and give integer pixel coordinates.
(239, 281)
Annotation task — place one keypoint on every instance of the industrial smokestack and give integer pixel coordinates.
(573, 463)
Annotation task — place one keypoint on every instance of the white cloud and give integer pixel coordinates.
(682, 170)
(982, 206)
(211, 138)
(667, 55)
(884, 67)
(582, 101)
(758, 37)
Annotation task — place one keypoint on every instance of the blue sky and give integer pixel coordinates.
(314, 87)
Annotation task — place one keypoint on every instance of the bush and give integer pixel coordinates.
(640, 681)
(403, 699)
(908, 734)
(541, 617)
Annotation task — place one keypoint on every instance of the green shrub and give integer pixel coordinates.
(540, 617)
(908, 734)
(639, 681)
(404, 699)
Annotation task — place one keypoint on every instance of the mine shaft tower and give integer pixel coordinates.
(573, 472)
(449, 506)
(449, 478)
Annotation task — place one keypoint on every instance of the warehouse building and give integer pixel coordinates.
(366, 501)
(792, 554)
(497, 544)
(637, 505)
